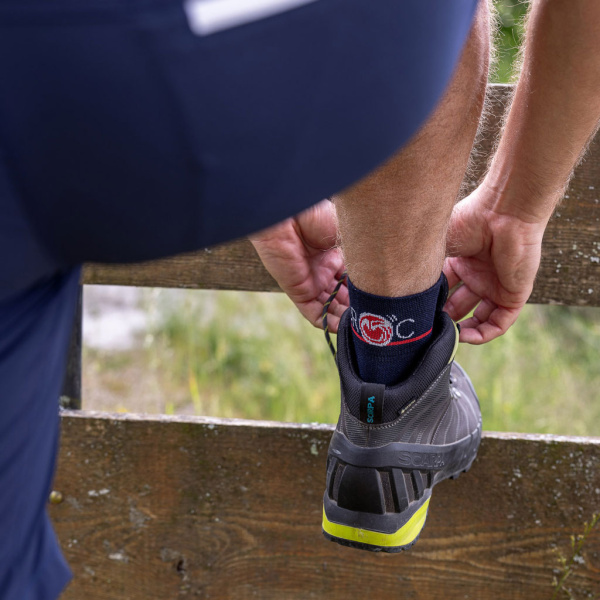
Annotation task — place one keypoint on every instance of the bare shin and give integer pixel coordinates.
(393, 223)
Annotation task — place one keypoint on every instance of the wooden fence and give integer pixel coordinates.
(161, 508)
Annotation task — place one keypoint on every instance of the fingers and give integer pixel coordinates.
(339, 303)
(461, 302)
(334, 314)
(481, 315)
(318, 225)
(274, 232)
(489, 320)
(468, 233)
(484, 311)
(478, 330)
(343, 298)
(333, 323)
(450, 273)
(313, 310)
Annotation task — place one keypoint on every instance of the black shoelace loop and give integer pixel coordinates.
(326, 308)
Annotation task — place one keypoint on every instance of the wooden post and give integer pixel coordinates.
(70, 396)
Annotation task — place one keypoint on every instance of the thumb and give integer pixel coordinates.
(466, 235)
(318, 225)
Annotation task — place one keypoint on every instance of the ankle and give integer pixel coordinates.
(389, 335)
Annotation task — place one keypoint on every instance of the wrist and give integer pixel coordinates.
(521, 197)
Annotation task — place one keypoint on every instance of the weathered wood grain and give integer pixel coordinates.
(569, 274)
(160, 508)
(233, 266)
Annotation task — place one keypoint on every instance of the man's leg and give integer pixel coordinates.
(409, 415)
(35, 324)
(393, 223)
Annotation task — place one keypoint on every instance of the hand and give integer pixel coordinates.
(301, 254)
(495, 257)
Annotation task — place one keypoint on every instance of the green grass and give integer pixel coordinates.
(509, 35)
(541, 376)
(244, 355)
(250, 355)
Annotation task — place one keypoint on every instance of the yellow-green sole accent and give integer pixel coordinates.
(403, 537)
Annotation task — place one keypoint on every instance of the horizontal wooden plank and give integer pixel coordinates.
(569, 274)
(182, 507)
(233, 266)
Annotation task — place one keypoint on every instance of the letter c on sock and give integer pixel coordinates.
(404, 337)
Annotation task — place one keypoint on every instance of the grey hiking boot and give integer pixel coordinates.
(392, 444)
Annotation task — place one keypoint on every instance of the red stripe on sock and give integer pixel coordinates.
(419, 337)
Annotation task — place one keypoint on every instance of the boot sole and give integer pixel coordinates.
(355, 529)
(376, 541)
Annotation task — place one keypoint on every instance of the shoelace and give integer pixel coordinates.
(326, 308)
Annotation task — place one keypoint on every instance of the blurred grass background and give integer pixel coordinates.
(508, 37)
(251, 355)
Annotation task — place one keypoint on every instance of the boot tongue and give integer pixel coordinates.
(371, 403)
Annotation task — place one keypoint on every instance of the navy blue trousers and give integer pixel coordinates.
(127, 135)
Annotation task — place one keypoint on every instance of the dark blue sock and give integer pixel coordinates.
(391, 334)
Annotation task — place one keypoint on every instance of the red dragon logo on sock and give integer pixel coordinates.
(375, 329)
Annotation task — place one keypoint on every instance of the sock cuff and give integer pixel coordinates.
(368, 297)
